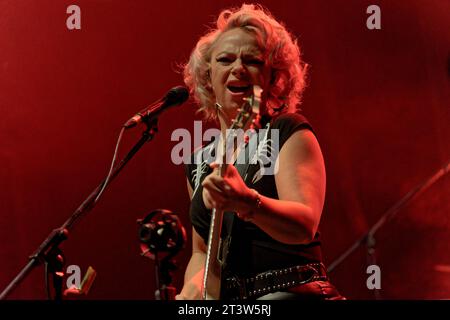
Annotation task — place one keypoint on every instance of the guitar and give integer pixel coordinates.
(214, 262)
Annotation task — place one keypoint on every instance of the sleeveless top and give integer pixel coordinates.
(252, 250)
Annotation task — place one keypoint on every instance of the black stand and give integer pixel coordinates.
(163, 279)
(162, 236)
(48, 252)
(369, 238)
(54, 265)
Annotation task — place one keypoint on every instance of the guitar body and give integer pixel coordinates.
(214, 261)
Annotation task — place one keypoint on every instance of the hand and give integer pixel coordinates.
(228, 193)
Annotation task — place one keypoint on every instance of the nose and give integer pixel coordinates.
(238, 68)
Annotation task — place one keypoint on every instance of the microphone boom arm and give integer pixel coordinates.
(44, 252)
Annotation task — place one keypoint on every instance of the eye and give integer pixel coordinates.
(224, 60)
(255, 61)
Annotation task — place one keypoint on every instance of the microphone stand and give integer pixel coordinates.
(369, 238)
(165, 291)
(49, 252)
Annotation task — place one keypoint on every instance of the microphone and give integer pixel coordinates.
(174, 97)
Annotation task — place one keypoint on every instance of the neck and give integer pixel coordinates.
(225, 120)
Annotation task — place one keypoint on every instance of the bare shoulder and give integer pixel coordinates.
(301, 170)
(301, 148)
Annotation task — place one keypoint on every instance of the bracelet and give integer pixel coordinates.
(248, 216)
(258, 199)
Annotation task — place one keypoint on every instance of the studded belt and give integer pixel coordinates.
(237, 288)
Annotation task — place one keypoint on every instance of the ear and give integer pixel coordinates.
(208, 79)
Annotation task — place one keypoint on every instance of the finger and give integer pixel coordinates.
(243, 216)
(217, 183)
(209, 184)
(215, 196)
(222, 167)
(214, 165)
(231, 171)
(228, 182)
(220, 183)
(215, 201)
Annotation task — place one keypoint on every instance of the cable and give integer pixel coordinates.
(112, 165)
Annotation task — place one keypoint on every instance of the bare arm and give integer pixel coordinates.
(300, 182)
(193, 276)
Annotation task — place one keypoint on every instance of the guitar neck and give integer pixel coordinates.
(214, 263)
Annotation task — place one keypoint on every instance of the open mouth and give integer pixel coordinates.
(239, 89)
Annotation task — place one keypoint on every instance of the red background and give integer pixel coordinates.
(378, 100)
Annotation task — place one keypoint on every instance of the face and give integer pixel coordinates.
(237, 63)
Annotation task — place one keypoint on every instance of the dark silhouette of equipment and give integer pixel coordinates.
(162, 236)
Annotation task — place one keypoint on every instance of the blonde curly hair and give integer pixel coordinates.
(280, 48)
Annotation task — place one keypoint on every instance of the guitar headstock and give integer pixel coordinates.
(250, 109)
